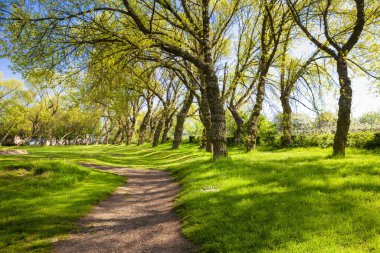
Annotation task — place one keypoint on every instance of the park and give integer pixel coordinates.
(190, 126)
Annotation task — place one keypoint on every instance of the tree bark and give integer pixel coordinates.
(239, 124)
(218, 120)
(265, 61)
(143, 127)
(131, 131)
(286, 121)
(204, 113)
(344, 112)
(181, 117)
(117, 135)
(254, 118)
(144, 124)
(167, 127)
(4, 138)
(7, 134)
(157, 132)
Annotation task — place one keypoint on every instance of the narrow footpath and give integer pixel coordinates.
(138, 217)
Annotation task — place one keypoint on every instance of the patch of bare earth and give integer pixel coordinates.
(138, 217)
(13, 152)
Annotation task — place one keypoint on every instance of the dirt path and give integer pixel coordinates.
(138, 217)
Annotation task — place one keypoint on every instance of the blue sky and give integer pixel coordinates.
(7, 73)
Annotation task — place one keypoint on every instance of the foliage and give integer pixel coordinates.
(374, 142)
(267, 131)
(325, 122)
(360, 139)
(366, 139)
(313, 140)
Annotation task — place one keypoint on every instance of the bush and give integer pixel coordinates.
(313, 140)
(267, 132)
(366, 140)
(374, 142)
(359, 139)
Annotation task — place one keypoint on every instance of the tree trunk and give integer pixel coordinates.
(218, 119)
(204, 139)
(204, 112)
(344, 112)
(144, 125)
(117, 135)
(76, 139)
(152, 127)
(131, 131)
(286, 121)
(239, 124)
(181, 117)
(168, 125)
(157, 132)
(106, 138)
(7, 134)
(254, 118)
(4, 138)
(123, 134)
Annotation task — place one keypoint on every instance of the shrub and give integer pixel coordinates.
(267, 132)
(313, 140)
(359, 139)
(366, 140)
(374, 142)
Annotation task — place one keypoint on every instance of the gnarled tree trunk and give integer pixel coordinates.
(218, 119)
(117, 135)
(204, 112)
(181, 117)
(344, 112)
(254, 118)
(144, 126)
(286, 121)
(167, 127)
(157, 132)
(239, 124)
(131, 130)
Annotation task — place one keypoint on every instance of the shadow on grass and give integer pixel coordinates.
(291, 204)
(282, 200)
(37, 208)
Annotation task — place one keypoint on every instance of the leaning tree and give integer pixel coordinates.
(58, 35)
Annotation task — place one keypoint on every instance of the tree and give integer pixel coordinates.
(242, 80)
(337, 42)
(291, 70)
(181, 116)
(135, 26)
(274, 17)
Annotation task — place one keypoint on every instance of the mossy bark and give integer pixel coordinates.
(286, 121)
(344, 112)
(181, 117)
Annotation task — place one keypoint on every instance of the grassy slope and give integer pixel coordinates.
(41, 200)
(266, 201)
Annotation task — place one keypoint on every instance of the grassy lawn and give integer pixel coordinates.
(41, 200)
(297, 200)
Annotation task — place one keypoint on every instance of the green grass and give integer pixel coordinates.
(298, 200)
(41, 200)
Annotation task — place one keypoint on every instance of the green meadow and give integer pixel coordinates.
(268, 200)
